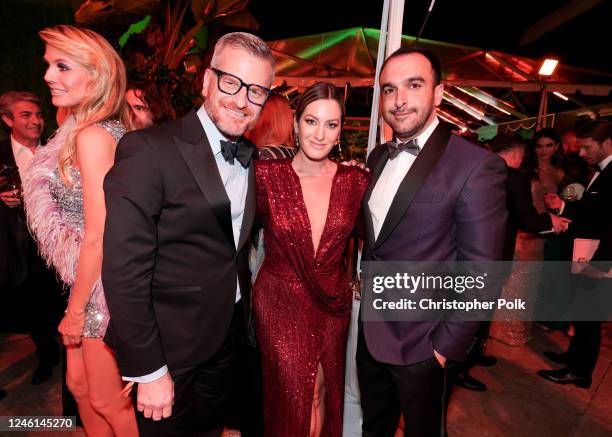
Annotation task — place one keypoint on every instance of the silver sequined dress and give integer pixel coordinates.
(70, 201)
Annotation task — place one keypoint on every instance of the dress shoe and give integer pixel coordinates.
(468, 382)
(2, 393)
(43, 373)
(566, 376)
(556, 357)
(486, 361)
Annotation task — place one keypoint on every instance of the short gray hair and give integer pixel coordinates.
(245, 41)
(8, 100)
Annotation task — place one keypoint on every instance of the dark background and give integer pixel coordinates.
(583, 41)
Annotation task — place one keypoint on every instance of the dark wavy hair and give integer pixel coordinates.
(530, 162)
(600, 130)
(157, 102)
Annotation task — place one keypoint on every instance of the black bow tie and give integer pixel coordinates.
(241, 150)
(394, 149)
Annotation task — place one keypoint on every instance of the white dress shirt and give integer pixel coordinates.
(235, 179)
(23, 156)
(390, 179)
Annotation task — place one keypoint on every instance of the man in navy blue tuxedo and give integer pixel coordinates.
(440, 199)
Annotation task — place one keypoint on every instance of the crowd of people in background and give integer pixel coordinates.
(178, 320)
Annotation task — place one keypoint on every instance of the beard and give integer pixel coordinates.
(411, 131)
(228, 129)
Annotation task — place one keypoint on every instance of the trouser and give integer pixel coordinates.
(417, 391)
(201, 393)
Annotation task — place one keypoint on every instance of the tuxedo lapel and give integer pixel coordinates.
(379, 160)
(200, 160)
(6, 153)
(414, 180)
(249, 209)
(602, 180)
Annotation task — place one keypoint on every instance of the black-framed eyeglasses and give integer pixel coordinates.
(230, 84)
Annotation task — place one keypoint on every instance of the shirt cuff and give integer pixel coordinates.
(147, 378)
(560, 210)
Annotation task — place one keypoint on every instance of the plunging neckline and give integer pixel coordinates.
(315, 253)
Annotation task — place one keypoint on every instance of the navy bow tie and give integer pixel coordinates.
(394, 149)
(241, 150)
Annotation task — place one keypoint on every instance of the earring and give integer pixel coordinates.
(297, 139)
(339, 146)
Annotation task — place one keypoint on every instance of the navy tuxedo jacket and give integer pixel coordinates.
(450, 206)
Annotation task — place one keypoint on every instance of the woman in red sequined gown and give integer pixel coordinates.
(301, 299)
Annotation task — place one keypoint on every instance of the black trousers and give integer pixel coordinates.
(417, 391)
(201, 393)
(36, 306)
(47, 306)
(584, 347)
(246, 405)
(476, 351)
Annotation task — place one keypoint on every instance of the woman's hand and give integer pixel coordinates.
(552, 201)
(71, 326)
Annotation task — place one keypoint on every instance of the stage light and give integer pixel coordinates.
(561, 96)
(548, 67)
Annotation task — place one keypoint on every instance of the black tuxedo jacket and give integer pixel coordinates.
(15, 239)
(170, 263)
(592, 215)
(521, 212)
(451, 205)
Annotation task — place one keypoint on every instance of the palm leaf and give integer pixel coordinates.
(183, 47)
(241, 19)
(175, 28)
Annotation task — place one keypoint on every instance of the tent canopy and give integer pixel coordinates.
(349, 57)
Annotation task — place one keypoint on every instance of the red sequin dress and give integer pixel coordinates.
(301, 300)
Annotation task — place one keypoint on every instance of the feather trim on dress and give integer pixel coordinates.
(58, 241)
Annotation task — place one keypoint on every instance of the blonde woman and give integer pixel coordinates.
(65, 205)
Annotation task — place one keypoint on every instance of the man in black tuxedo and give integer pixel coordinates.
(180, 206)
(445, 203)
(30, 291)
(591, 217)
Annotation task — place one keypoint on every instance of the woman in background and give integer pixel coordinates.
(543, 163)
(64, 201)
(273, 133)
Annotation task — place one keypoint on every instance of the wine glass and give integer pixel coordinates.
(15, 188)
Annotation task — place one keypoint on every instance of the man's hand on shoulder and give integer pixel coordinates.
(353, 163)
(155, 398)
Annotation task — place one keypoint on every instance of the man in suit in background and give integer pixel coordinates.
(180, 207)
(521, 212)
(521, 215)
(24, 278)
(591, 217)
(446, 203)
